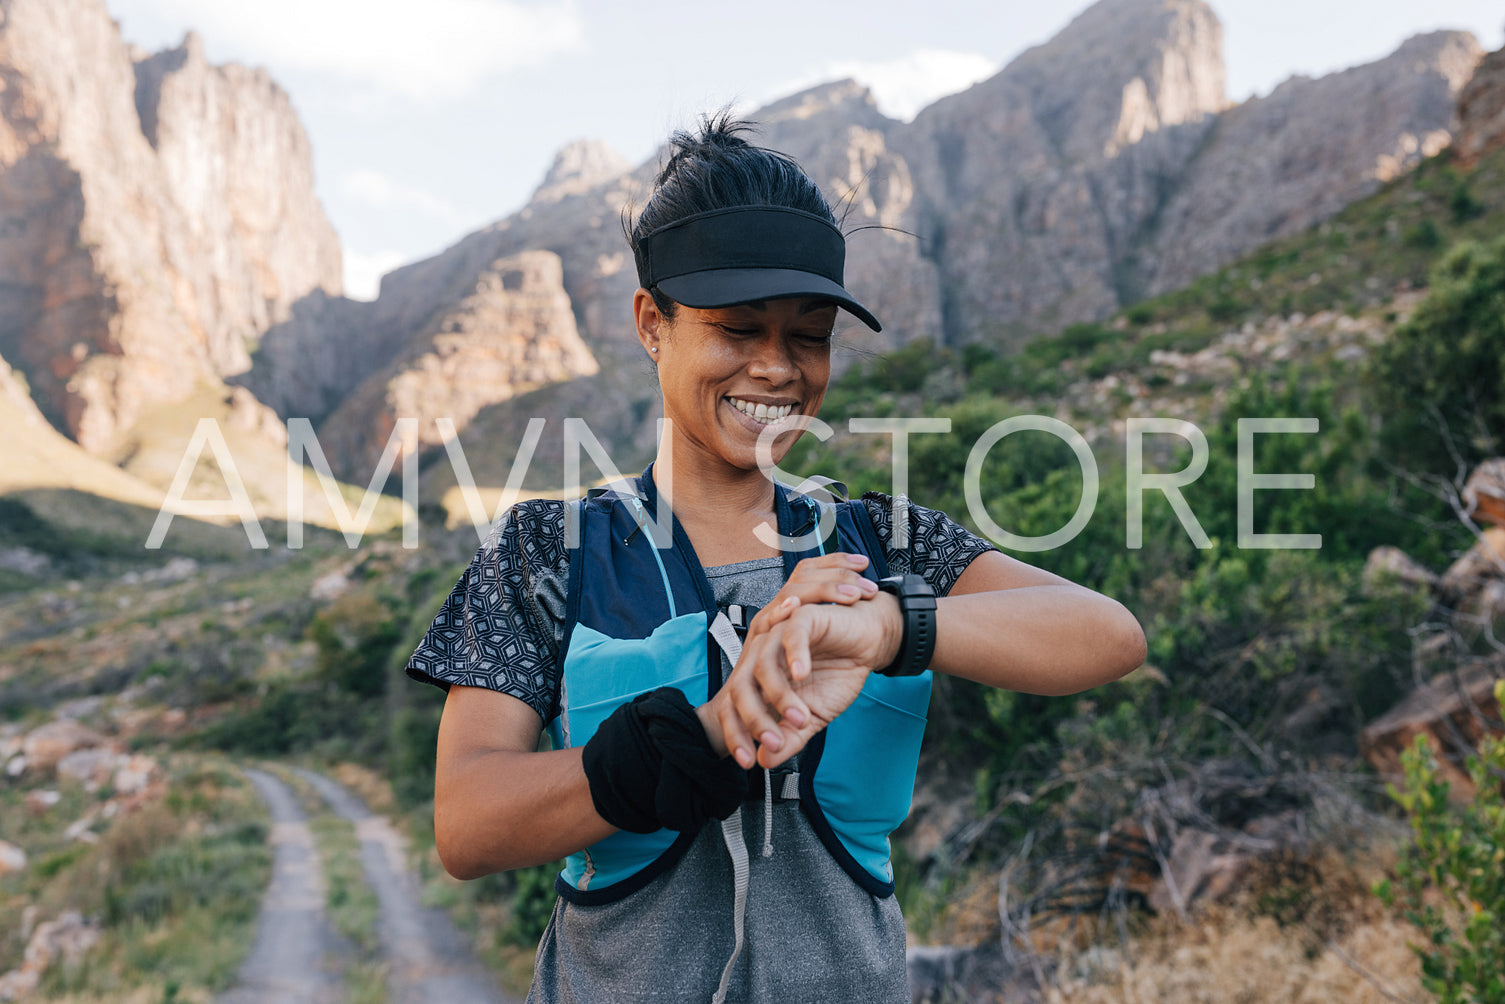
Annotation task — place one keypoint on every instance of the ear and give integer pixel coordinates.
(650, 322)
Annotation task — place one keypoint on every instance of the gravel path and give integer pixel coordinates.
(286, 962)
(428, 960)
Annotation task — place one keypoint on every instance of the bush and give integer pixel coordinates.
(1441, 375)
(1461, 855)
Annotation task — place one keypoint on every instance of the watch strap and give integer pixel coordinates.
(917, 607)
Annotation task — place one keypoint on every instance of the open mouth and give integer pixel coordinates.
(762, 413)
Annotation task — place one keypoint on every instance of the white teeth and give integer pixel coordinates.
(761, 412)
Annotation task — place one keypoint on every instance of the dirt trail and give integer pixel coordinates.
(286, 962)
(428, 960)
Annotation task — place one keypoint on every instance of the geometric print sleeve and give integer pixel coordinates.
(937, 548)
(492, 630)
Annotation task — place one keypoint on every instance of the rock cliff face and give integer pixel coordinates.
(1039, 182)
(1481, 110)
(240, 170)
(133, 270)
(1275, 165)
(512, 333)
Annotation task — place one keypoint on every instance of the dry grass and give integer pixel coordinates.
(1226, 957)
(1305, 930)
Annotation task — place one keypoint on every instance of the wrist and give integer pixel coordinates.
(712, 725)
(891, 636)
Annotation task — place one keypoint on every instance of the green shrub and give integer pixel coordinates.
(1423, 235)
(1440, 377)
(1459, 854)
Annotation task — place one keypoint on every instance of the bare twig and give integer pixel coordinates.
(1372, 978)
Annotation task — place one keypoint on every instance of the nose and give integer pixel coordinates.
(772, 360)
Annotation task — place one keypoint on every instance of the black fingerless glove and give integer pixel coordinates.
(650, 767)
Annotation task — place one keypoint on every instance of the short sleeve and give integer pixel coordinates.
(930, 544)
(492, 630)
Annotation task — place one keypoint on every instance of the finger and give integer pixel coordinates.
(747, 698)
(738, 740)
(794, 642)
(828, 586)
(774, 686)
(832, 559)
(770, 758)
(774, 614)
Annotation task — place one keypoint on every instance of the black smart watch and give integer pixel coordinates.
(917, 605)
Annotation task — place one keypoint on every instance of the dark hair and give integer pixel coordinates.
(717, 169)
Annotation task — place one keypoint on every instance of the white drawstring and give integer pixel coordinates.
(767, 813)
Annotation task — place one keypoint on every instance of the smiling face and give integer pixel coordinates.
(726, 373)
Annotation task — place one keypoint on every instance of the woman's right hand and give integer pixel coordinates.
(795, 678)
(828, 578)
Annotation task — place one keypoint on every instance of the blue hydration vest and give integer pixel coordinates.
(637, 619)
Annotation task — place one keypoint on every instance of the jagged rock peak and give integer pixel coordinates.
(1122, 69)
(1452, 54)
(846, 96)
(580, 166)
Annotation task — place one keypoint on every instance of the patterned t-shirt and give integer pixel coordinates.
(502, 624)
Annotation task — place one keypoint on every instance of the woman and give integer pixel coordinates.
(593, 617)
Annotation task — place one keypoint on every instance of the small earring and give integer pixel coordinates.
(654, 349)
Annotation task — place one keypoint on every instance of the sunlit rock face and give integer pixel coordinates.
(159, 216)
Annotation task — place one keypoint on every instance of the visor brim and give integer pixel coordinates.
(730, 287)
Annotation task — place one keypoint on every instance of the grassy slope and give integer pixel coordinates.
(94, 504)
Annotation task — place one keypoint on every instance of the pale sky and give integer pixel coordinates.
(432, 119)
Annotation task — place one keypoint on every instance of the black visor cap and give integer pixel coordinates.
(747, 254)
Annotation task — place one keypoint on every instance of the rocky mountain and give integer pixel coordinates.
(158, 216)
(161, 223)
(1039, 183)
(1275, 165)
(1100, 167)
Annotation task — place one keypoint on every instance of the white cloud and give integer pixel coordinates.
(433, 51)
(906, 84)
(363, 272)
(376, 190)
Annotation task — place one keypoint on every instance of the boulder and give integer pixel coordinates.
(1484, 493)
(12, 858)
(1454, 710)
(1466, 579)
(1390, 564)
(47, 744)
(133, 774)
(1203, 866)
(38, 802)
(91, 768)
(70, 936)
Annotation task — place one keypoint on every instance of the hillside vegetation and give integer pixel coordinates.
(1264, 663)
